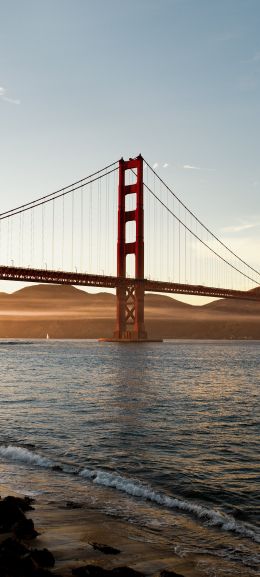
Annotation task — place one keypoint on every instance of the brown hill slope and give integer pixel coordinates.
(68, 312)
(233, 307)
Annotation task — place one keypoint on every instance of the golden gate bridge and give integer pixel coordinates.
(121, 228)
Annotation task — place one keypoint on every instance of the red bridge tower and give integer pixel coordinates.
(130, 298)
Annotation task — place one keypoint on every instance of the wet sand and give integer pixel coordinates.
(69, 533)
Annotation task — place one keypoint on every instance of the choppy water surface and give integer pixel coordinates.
(164, 435)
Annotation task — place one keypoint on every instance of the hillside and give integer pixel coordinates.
(68, 312)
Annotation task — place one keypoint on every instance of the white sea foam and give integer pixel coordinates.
(24, 456)
(137, 489)
(140, 490)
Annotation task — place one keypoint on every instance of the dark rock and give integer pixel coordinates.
(24, 529)
(73, 505)
(43, 557)
(10, 513)
(105, 549)
(26, 566)
(13, 547)
(17, 560)
(166, 573)
(25, 504)
(39, 572)
(16, 565)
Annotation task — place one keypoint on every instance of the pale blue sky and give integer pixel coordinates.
(83, 83)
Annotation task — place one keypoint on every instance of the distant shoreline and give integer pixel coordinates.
(167, 340)
(65, 312)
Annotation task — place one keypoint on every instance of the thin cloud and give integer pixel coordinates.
(165, 165)
(240, 227)
(155, 165)
(191, 167)
(4, 97)
(11, 100)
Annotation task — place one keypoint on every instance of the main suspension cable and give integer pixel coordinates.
(40, 202)
(63, 190)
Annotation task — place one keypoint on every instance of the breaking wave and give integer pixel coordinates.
(24, 456)
(138, 489)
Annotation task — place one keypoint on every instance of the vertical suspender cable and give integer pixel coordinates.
(90, 229)
(11, 240)
(72, 230)
(81, 228)
(167, 243)
(155, 229)
(42, 235)
(8, 240)
(31, 240)
(162, 255)
(190, 251)
(62, 233)
(185, 230)
(173, 243)
(20, 238)
(106, 227)
(52, 248)
(23, 260)
(99, 227)
(179, 246)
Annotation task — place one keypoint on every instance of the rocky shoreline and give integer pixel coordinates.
(20, 558)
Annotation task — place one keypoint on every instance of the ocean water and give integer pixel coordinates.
(164, 435)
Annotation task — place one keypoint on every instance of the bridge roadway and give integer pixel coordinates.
(102, 281)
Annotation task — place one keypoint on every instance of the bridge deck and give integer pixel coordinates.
(80, 279)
